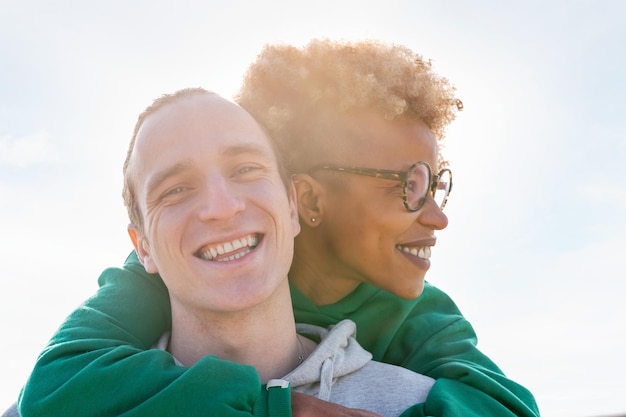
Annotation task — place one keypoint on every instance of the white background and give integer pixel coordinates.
(534, 251)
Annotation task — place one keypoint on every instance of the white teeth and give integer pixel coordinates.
(235, 256)
(249, 241)
(423, 252)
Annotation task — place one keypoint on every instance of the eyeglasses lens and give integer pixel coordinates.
(442, 188)
(417, 186)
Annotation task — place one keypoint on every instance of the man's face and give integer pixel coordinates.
(218, 223)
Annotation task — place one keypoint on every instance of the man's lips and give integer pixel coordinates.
(231, 250)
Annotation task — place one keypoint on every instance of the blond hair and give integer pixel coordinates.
(299, 94)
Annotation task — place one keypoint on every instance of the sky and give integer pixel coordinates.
(532, 253)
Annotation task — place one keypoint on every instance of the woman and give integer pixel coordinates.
(359, 125)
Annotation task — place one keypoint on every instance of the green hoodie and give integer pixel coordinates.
(99, 363)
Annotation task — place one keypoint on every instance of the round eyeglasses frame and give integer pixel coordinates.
(401, 176)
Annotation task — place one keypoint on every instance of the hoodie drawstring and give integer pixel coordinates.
(326, 379)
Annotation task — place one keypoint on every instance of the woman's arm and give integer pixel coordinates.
(99, 362)
(430, 336)
(436, 340)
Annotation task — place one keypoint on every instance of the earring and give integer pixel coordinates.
(313, 219)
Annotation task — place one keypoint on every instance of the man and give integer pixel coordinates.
(209, 212)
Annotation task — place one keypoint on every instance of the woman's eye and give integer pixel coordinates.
(395, 188)
(397, 185)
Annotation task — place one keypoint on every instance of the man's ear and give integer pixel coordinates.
(142, 248)
(293, 208)
(310, 198)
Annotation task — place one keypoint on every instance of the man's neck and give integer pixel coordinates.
(263, 337)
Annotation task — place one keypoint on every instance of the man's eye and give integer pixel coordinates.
(246, 169)
(173, 191)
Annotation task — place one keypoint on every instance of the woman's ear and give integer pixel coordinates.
(293, 208)
(310, 196)
(142, 249)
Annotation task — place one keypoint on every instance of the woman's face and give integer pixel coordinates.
(369, 235)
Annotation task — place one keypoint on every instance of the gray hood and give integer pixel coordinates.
(338, 354)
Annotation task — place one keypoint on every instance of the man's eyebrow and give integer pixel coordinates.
(249, 148)
(229, 151)
(161, 176)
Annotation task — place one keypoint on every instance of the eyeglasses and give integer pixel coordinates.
(417, 182)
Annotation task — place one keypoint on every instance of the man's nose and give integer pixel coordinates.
(220, 199)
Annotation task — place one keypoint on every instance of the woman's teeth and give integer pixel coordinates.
(423, 252)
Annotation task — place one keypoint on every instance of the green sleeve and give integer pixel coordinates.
(99, 362)
(436, 340)
(428, 335)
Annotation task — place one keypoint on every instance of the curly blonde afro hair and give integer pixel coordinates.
(299, 94)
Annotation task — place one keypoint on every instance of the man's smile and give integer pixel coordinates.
(231, 250)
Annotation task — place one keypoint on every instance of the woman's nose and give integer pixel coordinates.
(432, 216)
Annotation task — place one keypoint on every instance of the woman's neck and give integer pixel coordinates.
(318, 277)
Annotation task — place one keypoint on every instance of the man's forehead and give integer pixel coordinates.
(223, 147)
(211, 108)
(207, 117)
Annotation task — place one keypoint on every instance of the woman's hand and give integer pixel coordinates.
(303, 405)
